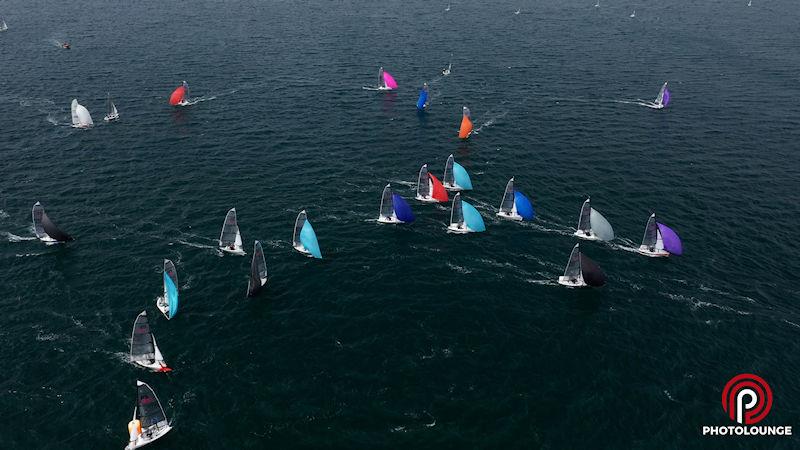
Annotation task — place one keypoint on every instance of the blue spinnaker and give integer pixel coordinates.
(461, 177)
(172, 295)
(309, 240)
(423, 99)
(472, 218)
(401, 209)
(523, 205)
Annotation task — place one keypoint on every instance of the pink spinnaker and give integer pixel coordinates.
(389, 80)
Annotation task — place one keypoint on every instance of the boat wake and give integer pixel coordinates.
(195, 244)
(490, 122)
(14, 238)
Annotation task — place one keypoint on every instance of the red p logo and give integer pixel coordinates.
(747, 399)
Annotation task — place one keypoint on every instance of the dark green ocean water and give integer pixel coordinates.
(402, 337)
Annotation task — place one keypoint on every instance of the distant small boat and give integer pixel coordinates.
(422, 101)
(446, 70)
(258, 271)
(464, 218)
(633, 14)
(230, 239)
(168, 303)
(80, 115)
(386, 82)
(515, 205)
(592, 225)
(455, 176)
(516, 13)
(144, 349)
(65, 45)
(662, 99)
(394, 208)
(750, 3)
(466, 124)
(659, 240)
(149, 419)
(429, 188)
(448, 7)
(3, 26)
(180, 95)
(113, 114)
(45, 229)
(304, 238)
(597, 5)
(581, 271)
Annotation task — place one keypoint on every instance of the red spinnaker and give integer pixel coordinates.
(439, 193)
(177, 96)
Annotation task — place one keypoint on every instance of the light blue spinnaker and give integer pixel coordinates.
(472, 218)
(461, 177)
(168, 304)
(304, 238)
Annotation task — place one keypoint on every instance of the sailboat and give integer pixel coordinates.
(113, 114)
(3, 26)
(180, 95)
(304, 238)
(386, 82)
(455, 176)
(168, 303)
(597, 5)
(394, 208)
(422, 101)
(149, 419)
(466, 124)
(517, 12)
(515, 205)
(80, 115)
(144, 349)
(662, 99)
(464, 218)
(230, 239)
(592, 225)
(446, 70)
(45, 229)
(448, 7)
(749, 3)
(429, 188)
(581, 271)
(633, 14)
(659, 240)
(258, 271)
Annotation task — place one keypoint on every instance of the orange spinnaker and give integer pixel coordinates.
(466, 128)
(438, 193)
(177, 96)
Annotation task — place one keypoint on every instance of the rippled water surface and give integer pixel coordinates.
(402, 337)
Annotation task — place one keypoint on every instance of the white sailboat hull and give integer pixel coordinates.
(577, 283)
(509, 216)
(657, 253)
(455, 229)
(389, 219)
(453, 187)
(111, 117)
(144, 439)
(303, 251)
(377, 88)
(588, 235)
(426, 199)
(162, 306)
(238, 251)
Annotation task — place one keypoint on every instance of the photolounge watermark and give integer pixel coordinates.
(747, 399)
(739, 430)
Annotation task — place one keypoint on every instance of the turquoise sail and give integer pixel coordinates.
(309, 240)
(171, 291)
(472, 218)
(461, 177)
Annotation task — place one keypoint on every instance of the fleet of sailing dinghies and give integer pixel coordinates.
(581, 271)
(592, 225)
(466, 124)
(464, 218)
(386, 82)
(149, 419)
(144, 349)
(514, 205)
(230, 240)
(662, 100)
(180, 95)
(394, 208)
(429, 188)
(80, 115)
(258, 271)
(659, 240)
(455, 176)
(46, 230)
(304, 238)
(112, 114)
(168, 303)
(422, 101)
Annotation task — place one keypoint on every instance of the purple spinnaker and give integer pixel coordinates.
(665, 100)
(672, 243)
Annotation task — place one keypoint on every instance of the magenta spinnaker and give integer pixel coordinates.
(672, 243)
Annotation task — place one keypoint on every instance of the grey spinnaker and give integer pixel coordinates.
(258, 271)
(44, 228)
(600, 226)
(592, 274)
